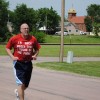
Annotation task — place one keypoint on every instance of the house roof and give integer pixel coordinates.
(68, 23)
(77, 19)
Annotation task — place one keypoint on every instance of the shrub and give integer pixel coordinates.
(39, 35)
(1, 39)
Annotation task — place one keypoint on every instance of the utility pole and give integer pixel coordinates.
(62, 30)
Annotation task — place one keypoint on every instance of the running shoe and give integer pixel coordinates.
(16, 93)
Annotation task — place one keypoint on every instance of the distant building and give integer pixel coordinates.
(75, 24)
(43, 28)
(71, 28)
(76, 21)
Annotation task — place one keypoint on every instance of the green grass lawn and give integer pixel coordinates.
(2, 50)
(54, 50)
(79, 51)
(72, 39)
(83, 68)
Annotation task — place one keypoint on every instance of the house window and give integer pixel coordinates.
(69, 30)
(76, 30)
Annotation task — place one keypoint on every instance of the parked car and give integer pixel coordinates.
(59, 33)
(84, 33)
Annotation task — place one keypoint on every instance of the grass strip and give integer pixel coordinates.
(84, 68)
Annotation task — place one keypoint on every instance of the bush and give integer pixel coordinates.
(39, 35)
(1, 39)
(8, 36)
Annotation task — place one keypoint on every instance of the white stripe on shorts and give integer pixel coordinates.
(17, 80)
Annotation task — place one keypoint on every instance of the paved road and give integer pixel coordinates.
(50, 85)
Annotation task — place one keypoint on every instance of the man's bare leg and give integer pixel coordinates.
(21, 89)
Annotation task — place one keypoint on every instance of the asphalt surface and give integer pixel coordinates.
(50, 85)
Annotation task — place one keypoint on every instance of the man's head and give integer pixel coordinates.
(24, 29)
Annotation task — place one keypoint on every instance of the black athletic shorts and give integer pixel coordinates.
(23, 71)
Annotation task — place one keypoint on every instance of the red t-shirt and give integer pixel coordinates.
(23, 48)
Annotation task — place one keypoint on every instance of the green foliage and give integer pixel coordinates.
(48, 17)
(39, 35)
(3, 18)
(96, 28)
(88, 23)
(8, 35)
(24, 15)
(94, 12)
(1, 39)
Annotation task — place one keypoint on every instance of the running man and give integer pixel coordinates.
(26, 49)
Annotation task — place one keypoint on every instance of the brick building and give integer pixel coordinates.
(77, 20)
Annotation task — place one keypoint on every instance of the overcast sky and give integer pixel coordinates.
(79, 5)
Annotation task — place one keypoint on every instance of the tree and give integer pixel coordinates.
(22, 14)
(88, 23)
(96, 28)
(48, 17)
(53, 18)
(3, 18)
(93, 11)
(35, 18)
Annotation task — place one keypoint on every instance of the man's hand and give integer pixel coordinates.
(14, 58)
(34, 57)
